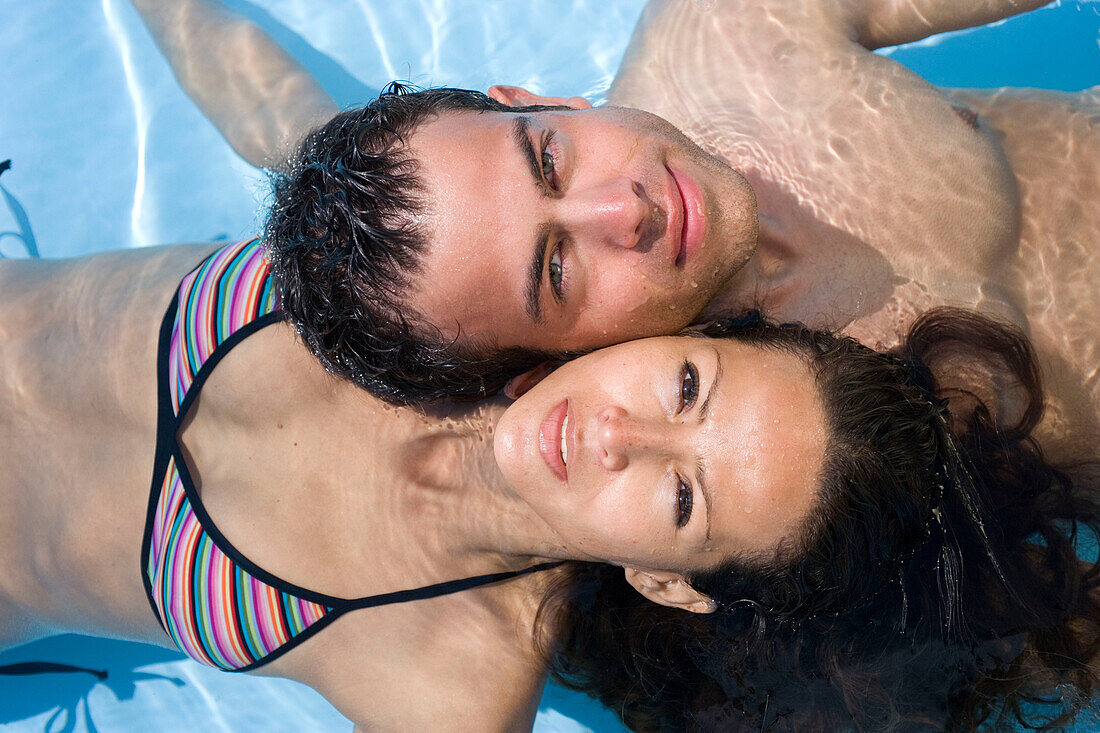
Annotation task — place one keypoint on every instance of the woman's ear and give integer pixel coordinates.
(519, 385)
(669, 589)
(520, 97)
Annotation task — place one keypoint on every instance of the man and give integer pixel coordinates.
(871, 196)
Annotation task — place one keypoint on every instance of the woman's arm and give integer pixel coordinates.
(259, 98)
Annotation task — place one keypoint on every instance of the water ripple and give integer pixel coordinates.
(141, 117)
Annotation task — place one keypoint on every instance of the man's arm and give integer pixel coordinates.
(890, 22)
(259, 98)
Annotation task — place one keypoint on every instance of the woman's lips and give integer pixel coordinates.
(694, 227)
(550, 440)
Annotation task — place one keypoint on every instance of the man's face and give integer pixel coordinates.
(573, 229)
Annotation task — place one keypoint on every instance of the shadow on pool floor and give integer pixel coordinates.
(23, 697)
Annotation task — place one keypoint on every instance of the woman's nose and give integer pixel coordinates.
(621, 438)
(616, 212)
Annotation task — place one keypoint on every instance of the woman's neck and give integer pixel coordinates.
(452, 471)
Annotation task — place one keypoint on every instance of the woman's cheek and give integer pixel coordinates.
(508, 449)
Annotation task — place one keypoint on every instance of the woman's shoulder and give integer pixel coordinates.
(478, 693)
(443, 664)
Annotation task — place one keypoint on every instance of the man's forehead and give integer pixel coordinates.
(471, 270)
(454, 126)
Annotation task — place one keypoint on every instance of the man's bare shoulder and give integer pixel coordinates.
(688, 41)
(696, 47)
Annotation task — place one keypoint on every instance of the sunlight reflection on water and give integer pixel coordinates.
(108, 152)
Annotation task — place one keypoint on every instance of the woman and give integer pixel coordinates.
(287, 504)
(935, 585)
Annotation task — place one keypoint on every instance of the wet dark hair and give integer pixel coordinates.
(935, 584)
(345, 244)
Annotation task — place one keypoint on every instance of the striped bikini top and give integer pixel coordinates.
(220, 608)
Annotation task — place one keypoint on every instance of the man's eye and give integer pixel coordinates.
(547, 165)
(689, 385)
(683, 503)
(557, 271)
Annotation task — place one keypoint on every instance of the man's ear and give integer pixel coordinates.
(520, 97)
(519, 385)
(669, 589)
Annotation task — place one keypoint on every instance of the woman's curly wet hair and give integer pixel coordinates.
(345, 242)
(935, 585)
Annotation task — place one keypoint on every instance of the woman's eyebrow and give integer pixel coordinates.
(700, 478)
(713, 386)
(700, 466)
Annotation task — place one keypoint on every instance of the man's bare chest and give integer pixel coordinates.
(842, 140)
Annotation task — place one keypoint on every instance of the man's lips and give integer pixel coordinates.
(691, 216)
(675, 220)
(550, 440)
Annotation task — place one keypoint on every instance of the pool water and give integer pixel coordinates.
(107, 152)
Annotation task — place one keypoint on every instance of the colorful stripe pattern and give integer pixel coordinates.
(219, 607)
(217, 612)
(229, 290)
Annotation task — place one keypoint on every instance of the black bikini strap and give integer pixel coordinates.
(442, 589)
(401, 596)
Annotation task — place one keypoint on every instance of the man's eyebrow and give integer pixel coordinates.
(521, 136)
(534, 275)
(700, 466)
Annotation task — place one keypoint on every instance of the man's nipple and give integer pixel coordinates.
(969, 116)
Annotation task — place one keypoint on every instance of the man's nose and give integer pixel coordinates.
(616, 212)
(621, 438)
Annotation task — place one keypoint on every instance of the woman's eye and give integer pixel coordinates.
(683, 503)
(689, 385)
(557, 271)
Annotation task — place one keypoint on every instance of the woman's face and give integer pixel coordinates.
(668, 454)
